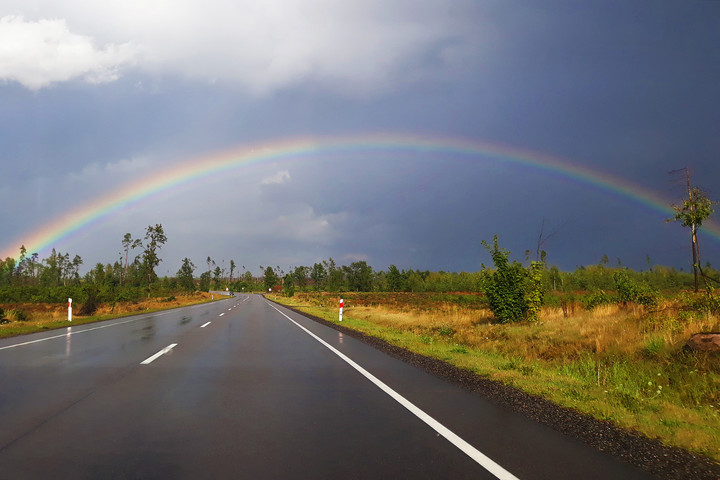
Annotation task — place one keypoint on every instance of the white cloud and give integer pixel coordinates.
(303, 224)
(278, 178)
(356, 257)
(110, 172)
(351, 46)
(37, 54)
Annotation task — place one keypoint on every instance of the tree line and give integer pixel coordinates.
(30, 278)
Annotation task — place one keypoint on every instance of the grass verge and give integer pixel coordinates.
(42, 317)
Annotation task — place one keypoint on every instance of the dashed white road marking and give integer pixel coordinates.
(158, 354)
(205, 324)
(221, 314)
(453, 438)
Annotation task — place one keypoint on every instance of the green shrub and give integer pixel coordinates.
(91, 303)
(631, 291)
(646, 296)
(595, 299)
(534, 292)
(654, 346)
(703, 303)
(514, 293)
(17, 316)
(625, 287)
(446, 331)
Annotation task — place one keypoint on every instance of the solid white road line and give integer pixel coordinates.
(205, 325)
(158, 354)
(468, 449)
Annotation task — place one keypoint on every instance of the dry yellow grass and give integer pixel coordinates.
(606, 329)
(40, 315)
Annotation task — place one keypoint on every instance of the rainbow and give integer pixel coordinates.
(46, 236)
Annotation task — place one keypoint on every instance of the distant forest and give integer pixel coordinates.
(56, 278)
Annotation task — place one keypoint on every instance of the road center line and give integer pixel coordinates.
(158, 354)
(221, 314)
(468, 449)
(205, 325)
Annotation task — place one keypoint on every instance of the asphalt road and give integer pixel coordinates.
(245, 389)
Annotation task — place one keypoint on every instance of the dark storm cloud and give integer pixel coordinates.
(626, 89)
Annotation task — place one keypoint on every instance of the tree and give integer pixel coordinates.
(77, 261)
(129, 244)
(21, 268)
(232, 269)
(51, 274)
(271, 278)
(396, 281)
(415, 281)
(205, 281)
(217, 276)
(359, 276)
(185, 275)
(154, 240)
(336, 277)
(300, 275)
(318, 276)
(289, 285)
(695, 209)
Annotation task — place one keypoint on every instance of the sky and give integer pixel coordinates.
(574, 113)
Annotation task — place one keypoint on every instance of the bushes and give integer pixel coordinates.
(595, 299)
(631, 291)
(91, 303)
(505, 287)
(514, 293)
(17, 316)
(628, 291)
(705, 303)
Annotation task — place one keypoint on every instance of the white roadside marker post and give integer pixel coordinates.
(69, 309)
(341, 307)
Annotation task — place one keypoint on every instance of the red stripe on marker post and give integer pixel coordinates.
(69, 309)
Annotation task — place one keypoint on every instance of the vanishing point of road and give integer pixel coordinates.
(243, 388)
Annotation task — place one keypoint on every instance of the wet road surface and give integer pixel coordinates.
(245, 389)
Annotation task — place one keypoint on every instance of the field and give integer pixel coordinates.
(34, 317)
(623, 364)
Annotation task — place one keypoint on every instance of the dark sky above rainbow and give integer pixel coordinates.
(285, 132)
